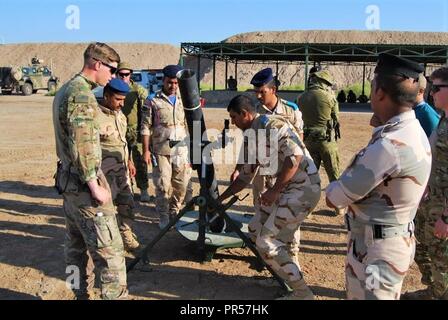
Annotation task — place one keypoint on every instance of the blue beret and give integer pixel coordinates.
(118, 86)
(392, 65)
(262, 77)
(171, 70)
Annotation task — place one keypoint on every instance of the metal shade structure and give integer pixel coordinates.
(307, 53)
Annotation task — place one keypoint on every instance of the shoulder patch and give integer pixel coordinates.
(292, 105)
(149, 99)
(264, 120)
(81, 98)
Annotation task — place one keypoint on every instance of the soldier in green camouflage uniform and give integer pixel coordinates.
(382, 186)
(320, 111)
(164, 125)
(115, 158)
(432, 216)
(133, 111)
(290, 193)
(91, 225)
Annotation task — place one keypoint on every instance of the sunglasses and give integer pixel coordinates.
(436, 87)
(112, 69)
(124, 74)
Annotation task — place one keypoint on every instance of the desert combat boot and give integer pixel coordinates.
(300, 292)
(129, 240)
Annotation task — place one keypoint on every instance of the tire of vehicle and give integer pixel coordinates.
(51, 86)
(27, 89)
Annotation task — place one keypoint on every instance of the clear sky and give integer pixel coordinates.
(175, 21)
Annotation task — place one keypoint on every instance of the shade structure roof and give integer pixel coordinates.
(313, 52)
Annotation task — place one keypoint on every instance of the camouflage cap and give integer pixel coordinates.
(124, 66)
(324, 75)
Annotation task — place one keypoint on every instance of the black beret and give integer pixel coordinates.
(171, 70)
(392, 65)
(262, 77)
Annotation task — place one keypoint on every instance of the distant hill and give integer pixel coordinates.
(67, 58)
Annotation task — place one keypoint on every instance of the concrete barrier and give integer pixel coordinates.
(221, 99)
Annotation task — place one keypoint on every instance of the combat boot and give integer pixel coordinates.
(84, 295)
(300, 292)
(130, 242)
(144, 195)
(424, 294)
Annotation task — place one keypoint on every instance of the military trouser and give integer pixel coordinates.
(91, 230)
(189, 193)
(141, 176)
(122, 197)
(260, 217)
(376, 265)
(432, 253)
(170, 180)
(327, 153)
(275, 228)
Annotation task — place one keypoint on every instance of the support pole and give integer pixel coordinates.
(306, 67)
(225, 80)
(363, 77)
(198, 74)
(236, 73)
(214, 73)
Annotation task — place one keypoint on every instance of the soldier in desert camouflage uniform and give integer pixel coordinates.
(432, 216)
(269, 103)
(91, 225)
(116, 164)
(382, 186)
(291, 188)
(132, 109)
(163, 126)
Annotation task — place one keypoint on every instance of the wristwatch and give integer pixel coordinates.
(444, 219)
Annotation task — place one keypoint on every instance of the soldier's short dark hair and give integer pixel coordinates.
(398, 90)
(102, 52)
(240, 103)
(107, 91)
(441, 73)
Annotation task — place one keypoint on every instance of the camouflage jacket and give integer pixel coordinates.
(438, 182)
(132, 109)
(114, 147)
(274, 140)
(75, 120)
(319, 107)
(163, 122)
(289, 110)
(385, 180)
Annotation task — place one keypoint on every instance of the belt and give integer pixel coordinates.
(379, 231)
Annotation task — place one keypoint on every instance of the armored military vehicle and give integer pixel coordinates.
(27, 79)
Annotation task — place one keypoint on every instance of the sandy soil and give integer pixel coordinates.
(32, 225)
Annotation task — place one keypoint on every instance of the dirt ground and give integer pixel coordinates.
(32, 225)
